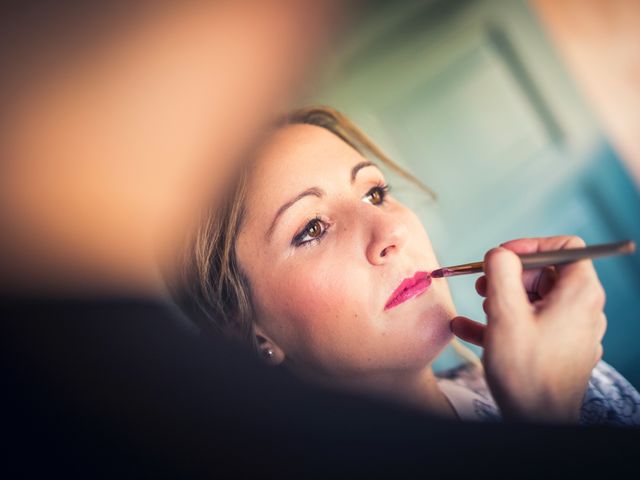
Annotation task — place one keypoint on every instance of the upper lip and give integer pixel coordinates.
(409, 288)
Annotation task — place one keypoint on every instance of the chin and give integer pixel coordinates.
(434, 331)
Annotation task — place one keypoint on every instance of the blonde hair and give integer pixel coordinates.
(214, 290)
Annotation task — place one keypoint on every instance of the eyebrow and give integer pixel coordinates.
(360, 166)
(315, 192)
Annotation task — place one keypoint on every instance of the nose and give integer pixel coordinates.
(387, 236)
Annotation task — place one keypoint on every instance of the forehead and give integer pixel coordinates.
(299, 152)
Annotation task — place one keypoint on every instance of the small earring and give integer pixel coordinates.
(268, 353)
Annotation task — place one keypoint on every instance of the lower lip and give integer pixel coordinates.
(423, 281)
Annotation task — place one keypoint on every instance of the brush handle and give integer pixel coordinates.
(569, 255)
(545, 259)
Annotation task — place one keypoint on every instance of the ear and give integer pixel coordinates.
(269, 351)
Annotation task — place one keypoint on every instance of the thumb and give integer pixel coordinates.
(468, 330)
(506, 295)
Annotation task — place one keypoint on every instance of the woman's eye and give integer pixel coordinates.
(377, 195)
(312, 231)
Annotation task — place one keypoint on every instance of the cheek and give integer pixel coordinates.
(321, 312)
(319, 297)
(428, 333)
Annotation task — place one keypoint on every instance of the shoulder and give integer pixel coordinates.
(610, 399)
(466, 388)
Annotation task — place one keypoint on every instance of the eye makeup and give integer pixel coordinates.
(316, 228)
(311, 233)
(378, 194)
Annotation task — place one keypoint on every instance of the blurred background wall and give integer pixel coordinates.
(522, 116)
(600, 43)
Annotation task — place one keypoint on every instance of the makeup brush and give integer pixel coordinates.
(545, 259)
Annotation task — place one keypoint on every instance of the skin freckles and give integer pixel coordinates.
(320, 304)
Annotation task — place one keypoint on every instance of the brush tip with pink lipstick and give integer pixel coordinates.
(440, 273)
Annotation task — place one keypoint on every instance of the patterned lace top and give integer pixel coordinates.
(609, 400)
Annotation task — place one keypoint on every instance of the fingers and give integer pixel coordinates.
(537, 283)
(579, 286)
(506, 296)
(602, 327)
(580, 277)
(543, 244)
(468, 330)
(541, 281)
(582, 265)
(599, 352)
(481, 286)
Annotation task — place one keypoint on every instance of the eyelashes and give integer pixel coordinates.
(378, 194)
(316, 228)
(312, 232)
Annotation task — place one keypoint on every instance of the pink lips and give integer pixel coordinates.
(409, 288)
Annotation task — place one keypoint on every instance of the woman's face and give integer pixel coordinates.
(324, 248)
